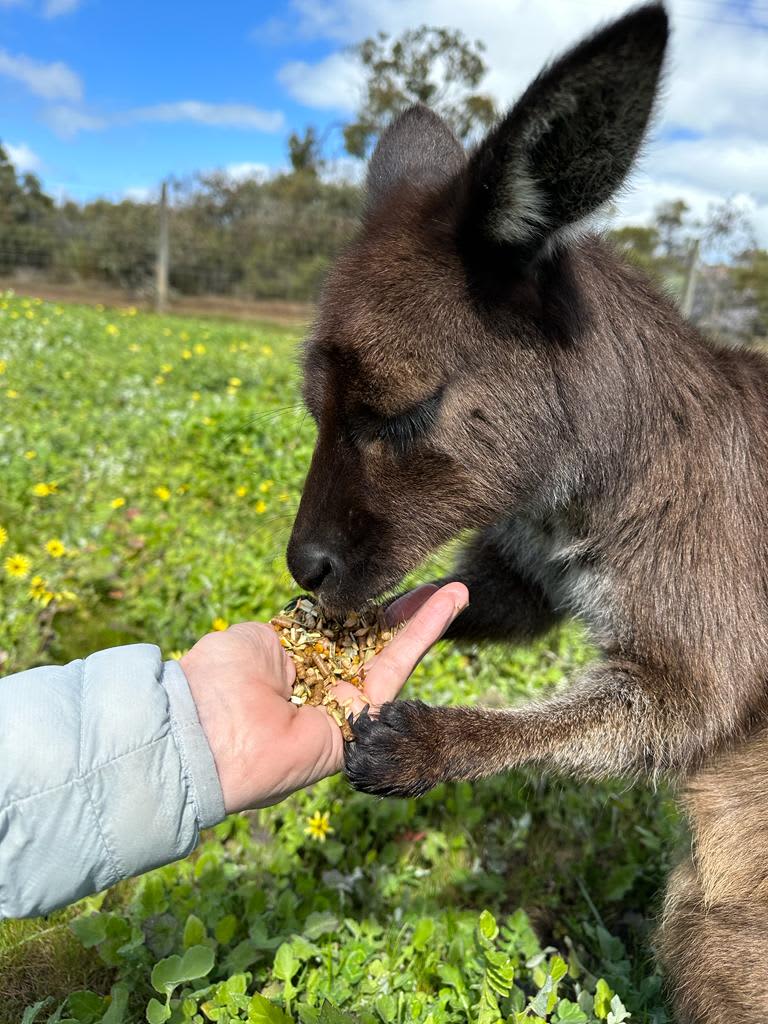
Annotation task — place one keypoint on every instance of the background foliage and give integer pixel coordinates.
(165, 458)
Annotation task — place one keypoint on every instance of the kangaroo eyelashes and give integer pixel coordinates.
(401, 431)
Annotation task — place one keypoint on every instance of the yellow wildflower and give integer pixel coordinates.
(186, 354)
(162, 493)
(318, 826)
(3, 536)
(112, 329)
(234, 382)
(195, 396)
(42, 490)
(3, 366)
(184, 335)
(30, 454)
(283, 497)
(220, 624)
(159, 379)
(175, 655)
(266, 350)
(241, 491)
(261, 506)
(55, 547)
(38, 591)
(166, 368)
(18, 566)
(199, 349)
(266, 486)
(133, 347)
(11, 393)
(117, 502)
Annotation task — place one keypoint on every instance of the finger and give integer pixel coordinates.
(271, 665)
(408, 604)
(389, 670)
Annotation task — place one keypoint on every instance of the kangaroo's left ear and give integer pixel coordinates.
(570, 141)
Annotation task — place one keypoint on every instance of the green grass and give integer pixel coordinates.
(516, 899)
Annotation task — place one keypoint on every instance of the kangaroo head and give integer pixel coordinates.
(434, 370)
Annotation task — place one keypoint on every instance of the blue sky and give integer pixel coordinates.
(104, 97)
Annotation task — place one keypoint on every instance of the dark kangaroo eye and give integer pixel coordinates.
(401, 431)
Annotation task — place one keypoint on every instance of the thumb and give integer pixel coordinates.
(389, 671)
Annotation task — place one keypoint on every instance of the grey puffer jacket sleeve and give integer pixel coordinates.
(105, 772)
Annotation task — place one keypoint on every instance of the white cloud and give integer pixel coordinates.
(225, 115)
(245, 170)
(140, 193)
(334, 83)
(70, 121)
(711, 138)
(53, 81)
(55, 8)
(22, 157)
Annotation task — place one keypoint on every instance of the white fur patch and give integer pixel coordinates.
(521, 206)
(554, 558)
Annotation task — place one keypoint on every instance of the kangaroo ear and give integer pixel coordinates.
(570, 141)
(417, 147)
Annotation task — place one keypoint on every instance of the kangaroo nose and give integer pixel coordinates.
(311, 565)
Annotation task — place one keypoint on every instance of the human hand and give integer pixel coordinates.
(264, 746)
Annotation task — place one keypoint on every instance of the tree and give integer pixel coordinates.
(304, 152)
(750, 276)
(436, 66)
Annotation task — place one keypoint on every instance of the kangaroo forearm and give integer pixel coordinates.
(616, 721)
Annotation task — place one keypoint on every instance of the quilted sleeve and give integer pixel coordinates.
(105, 772)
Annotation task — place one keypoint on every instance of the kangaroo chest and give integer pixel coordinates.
(561, 563)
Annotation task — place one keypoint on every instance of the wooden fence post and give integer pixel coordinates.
(161, 266)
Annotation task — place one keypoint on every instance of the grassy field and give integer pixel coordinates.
(150, 469)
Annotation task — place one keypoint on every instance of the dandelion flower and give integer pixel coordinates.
(166, 368)
(112, 330)
(219, 624)
(266, 486)
(117, 502)
(266, 350)
(196, 396)
(186, 354)
(11, 393)
(42, 490)
(3, 366)
(3, 536)
(234, 382)
(199, 349)
(241, 491)
(318, 826)
(55, 547)
(261, 507)
(18, 566)
(162, 493)
(30, 454)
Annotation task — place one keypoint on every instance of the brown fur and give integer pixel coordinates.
(475, 365)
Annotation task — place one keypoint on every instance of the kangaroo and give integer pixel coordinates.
(481, 361)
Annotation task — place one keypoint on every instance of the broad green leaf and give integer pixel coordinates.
(32, 1012)
(487, 926)
(86, 1007)
(570, 1013)
(318, 924)
(91, 929)
(618, 1012)
(423, 932)
(194, 932)
(261, 1011)
(197, 962)
(157, 1012)
(286, 964)
(603, 996)
(118, 1006)
(166, 974)
(225, 929)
